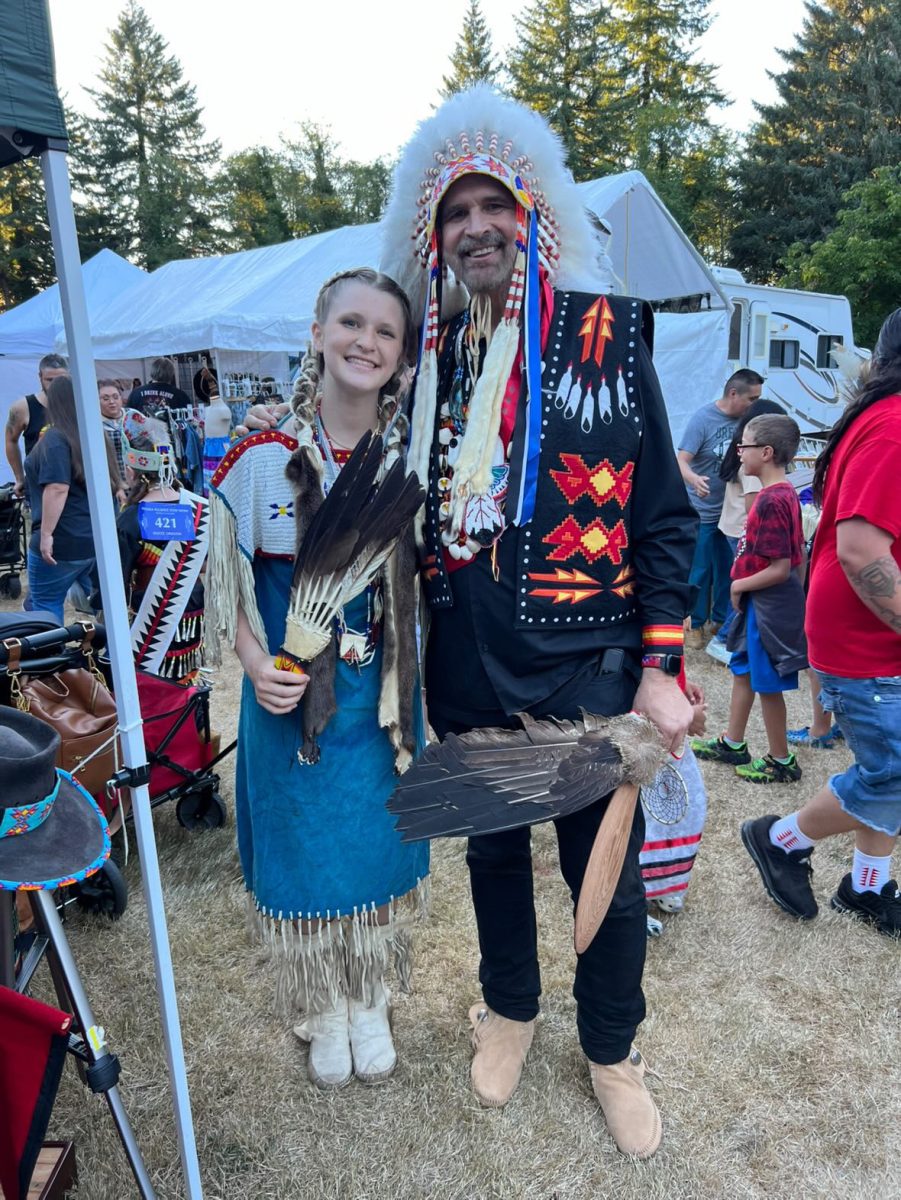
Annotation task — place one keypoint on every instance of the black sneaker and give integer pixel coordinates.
(719, 750)
(882, 909)
(786, 877)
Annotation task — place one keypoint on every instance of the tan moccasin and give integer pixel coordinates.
(501, 1047)
(629, 1109)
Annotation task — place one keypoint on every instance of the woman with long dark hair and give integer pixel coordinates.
(854, 640)
(60, 553)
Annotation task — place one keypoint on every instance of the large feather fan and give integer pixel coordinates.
(489, 780)
(347, 543)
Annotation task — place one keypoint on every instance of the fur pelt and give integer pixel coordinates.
(483, 110)
(399, 664)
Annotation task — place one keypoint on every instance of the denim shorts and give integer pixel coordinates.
(869, 713)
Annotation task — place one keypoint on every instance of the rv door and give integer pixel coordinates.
(759, 337)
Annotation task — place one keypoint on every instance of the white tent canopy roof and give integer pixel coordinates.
(35, 327)
(650, 253)
(262, 300)
(258, 300)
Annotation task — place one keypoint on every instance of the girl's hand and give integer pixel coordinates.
(47, 549)
(278, 692)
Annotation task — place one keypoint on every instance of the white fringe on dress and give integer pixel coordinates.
(346, 955)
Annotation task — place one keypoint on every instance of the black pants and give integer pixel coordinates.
(607, 988)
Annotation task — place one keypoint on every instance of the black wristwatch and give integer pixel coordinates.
(670, 664)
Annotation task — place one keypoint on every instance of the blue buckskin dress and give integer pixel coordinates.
(313, 841)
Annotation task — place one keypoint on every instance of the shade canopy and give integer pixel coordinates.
(31, 113)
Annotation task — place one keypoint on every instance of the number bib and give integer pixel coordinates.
(166, 522)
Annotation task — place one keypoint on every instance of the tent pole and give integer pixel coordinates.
(78, 335)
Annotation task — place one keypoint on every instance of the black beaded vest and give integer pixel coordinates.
(573, 559)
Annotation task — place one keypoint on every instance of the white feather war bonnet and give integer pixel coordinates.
(479, 131)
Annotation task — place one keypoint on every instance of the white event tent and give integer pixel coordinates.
(256, 306)
(33, 328)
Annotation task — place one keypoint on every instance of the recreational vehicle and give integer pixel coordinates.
(789, 337)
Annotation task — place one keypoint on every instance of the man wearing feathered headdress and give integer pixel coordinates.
(556, 539)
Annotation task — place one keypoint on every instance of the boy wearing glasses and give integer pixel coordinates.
(767, 637)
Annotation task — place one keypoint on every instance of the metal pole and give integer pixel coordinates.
(78, 336)
(92, 1034)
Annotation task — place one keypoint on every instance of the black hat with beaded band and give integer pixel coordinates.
(52, 833)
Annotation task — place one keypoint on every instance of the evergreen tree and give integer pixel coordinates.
(565, 67)
(861, 257)
(837, 119)
(251, 209)
(145, 167)
(472, 60)
(26, 253)
(667, 93)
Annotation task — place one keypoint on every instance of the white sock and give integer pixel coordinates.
(870, 874)
(785, 834)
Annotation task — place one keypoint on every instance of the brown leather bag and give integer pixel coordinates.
(80, 708)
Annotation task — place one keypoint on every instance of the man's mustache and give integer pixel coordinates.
(490, 241)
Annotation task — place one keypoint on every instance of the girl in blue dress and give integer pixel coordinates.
(334, 891)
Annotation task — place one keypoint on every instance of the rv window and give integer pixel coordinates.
(758, 348)
(825, 343)
(784, 354)
(735, 333)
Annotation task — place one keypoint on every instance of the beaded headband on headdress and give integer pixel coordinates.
(480, 122)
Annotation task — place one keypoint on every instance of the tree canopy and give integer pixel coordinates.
(144, 166)
(861, 257)
(837, 119)
(472, 59)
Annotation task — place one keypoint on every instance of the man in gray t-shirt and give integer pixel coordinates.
(701, 449)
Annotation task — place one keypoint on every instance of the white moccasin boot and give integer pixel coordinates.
(330, 1064)
(374, 1056)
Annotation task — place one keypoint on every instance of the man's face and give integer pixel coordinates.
(48, 375)
(739, 401)
(477, 222)
(111, 403)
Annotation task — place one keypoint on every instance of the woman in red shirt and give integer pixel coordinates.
(854, 639)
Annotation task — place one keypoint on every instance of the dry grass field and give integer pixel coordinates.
(775, 1044)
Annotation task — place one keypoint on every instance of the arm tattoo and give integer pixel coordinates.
(12, 425)
(879, 586)
(878, 578)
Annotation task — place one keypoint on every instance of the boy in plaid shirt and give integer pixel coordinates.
(767, 638)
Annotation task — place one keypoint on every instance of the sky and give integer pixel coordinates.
(368, 71)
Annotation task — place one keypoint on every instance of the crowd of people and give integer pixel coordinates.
(564, 567)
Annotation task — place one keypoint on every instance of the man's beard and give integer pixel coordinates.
(477, 279)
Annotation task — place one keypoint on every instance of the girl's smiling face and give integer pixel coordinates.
(361, 339)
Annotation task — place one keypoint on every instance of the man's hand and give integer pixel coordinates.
(699, 484)
(47, 549)
(19, 488)
(735, 595)
(661, 700)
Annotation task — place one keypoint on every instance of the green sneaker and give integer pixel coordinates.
(770, 770)
(719, 750)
